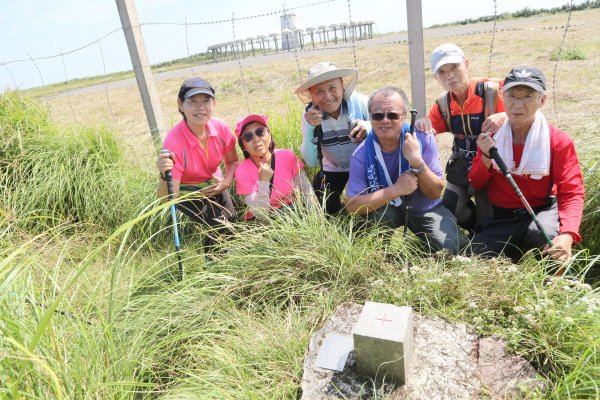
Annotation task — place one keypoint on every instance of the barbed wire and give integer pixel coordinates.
(556, 64)
(68, 91)
(244, 89)
(110, 111)
(66, 52)
(352, 34)
(187, 47)
(493, 35)
(285, 12)
(12, 78)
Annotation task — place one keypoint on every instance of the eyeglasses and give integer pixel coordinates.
(249, 135)
(392, 116)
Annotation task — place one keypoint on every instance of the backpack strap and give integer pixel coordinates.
(443, 102)
(272, 177)
(317, 134)
(491, 97)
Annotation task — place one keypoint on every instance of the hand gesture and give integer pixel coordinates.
(424, 125)
(485, 142)
(358, 133)
(265, 172)
(493, 122)
(313, 116)
(411, 148)
(406, 184)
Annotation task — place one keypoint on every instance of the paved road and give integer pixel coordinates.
(271, 58)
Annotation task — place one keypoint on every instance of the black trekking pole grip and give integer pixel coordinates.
(413, 119)
(407, 205)
(499, 161)
(168, 177)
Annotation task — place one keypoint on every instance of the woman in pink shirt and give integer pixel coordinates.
(267, 179)
(197, 145)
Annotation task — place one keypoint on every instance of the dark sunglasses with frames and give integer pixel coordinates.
(392, 116)
(248, 136)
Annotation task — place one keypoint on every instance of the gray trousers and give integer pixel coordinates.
(513, 237)
(469, 215)
(436, 227)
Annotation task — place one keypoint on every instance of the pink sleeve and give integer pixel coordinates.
(227, 135)
(244, 184)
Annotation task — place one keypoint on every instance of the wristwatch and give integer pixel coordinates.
(417, 171)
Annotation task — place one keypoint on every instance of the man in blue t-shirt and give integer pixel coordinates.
(392, 164)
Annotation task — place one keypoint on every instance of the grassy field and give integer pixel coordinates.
(89, 304)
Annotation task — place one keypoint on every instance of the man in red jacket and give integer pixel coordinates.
(543, 162)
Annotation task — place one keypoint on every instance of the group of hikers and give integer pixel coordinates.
(373, 163)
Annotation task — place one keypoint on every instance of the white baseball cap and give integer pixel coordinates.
(447, 53)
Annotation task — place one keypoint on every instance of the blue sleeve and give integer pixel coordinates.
(307, 148)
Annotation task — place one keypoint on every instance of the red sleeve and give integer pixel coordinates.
(436, 119)
(479, 175)
(566, 174)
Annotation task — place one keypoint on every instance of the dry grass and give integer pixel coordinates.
(270, 87)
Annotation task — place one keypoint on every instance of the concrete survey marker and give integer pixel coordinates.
(383, 342)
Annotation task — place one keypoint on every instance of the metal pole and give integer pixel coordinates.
(416, 55)
(141, 68)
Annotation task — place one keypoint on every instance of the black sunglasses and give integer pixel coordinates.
(249, 135)
(392, 116)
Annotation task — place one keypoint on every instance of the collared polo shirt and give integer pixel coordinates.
(193, 163)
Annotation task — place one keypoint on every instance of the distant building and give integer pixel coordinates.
(289, 39)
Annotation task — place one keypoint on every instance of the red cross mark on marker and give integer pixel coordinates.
(383, 319)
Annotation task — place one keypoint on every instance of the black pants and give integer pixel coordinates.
(332, 184)
(513, 236)
(210, 212)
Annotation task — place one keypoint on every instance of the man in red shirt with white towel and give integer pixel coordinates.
(544, 164)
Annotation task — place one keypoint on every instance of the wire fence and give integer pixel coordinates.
(352, 38)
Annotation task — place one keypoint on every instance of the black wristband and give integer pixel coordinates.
(162, 177)
(486, 156)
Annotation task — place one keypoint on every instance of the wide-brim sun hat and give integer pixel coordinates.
(325, 71)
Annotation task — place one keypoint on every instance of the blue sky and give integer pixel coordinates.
(41, 28)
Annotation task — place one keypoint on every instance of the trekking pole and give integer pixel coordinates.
(169, 178)
(407, 205)
(496, 156)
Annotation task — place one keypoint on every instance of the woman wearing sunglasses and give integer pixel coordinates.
(267, 179)
(197, 145)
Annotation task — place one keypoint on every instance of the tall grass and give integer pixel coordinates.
(119, 326)
(89, 307)
(75, 175)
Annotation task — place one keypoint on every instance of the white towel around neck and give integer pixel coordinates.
(536, 153)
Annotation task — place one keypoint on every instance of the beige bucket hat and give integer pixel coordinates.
(325, 71)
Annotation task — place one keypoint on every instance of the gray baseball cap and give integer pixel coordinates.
(194, 86)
